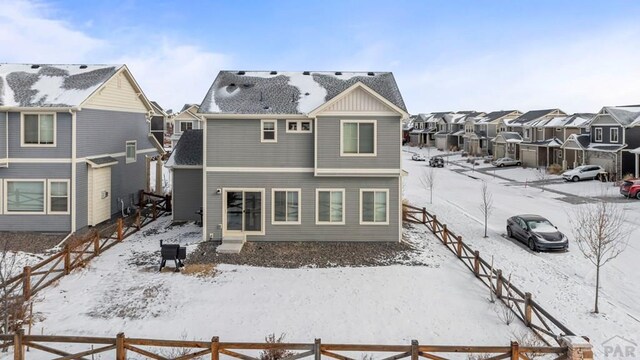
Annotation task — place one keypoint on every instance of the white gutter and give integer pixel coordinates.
(6, 133)
(38, 108)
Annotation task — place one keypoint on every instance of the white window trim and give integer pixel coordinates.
(2, 196)
(49, 211)
(5, 199)
(299, 127)
(275, 131)
(611, 131)
(595, 135)
(318, 207)
(55, 129)
(135, 156)
(224, 211)
(386, 222)
(180, 122)
(273, 206)
(375, 138)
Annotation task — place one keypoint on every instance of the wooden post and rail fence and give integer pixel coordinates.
(81, 249)
(121, 348)
(533, 315)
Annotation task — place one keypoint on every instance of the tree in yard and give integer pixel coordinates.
(486, 204)
(543, 176)
(428, 181)
(601, 232)
(11, 304)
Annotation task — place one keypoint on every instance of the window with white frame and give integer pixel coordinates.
(131, 151)
(526, 133)
(269, 131)
(186, 125)
(330, 206)
(38, 129)
(24, 196)
(374, 206)
(598, 134)
(58, 194)
(358, 138)
(613, 135)
(299, 126)
(286, 206)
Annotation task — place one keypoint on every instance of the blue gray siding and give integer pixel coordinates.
(3, 135)
(236, 143)
(389, 141)
(63, 139)
(45, 223)
(187, 194)
(82, 190)
(307, 230)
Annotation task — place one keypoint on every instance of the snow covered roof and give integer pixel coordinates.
(495, 115)
(532, 115)
(582, 140)
(510, 137)
(605, 147)
(458, 133)
(625, 115)
(554, 142)
(289, 92)
(188, 150)
(27, 85)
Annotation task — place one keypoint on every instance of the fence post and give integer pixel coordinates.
(424, 216)
(527, 309)
(120, 224)
(96, 243)
(67, 260)
(26, 283)
(434, 223)
(317, 350)
(167, 203)
(141, 198)
(445, 234)
(499, 283)
(515, 350)
(215, 348)
(138, 216)
(476, 263)
(154, 209)
(121, 352)
(459, 248)
(18, 347)
(414, 350)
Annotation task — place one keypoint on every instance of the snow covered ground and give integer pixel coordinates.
(562, 282)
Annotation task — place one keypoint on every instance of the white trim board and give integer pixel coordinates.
(259, 169)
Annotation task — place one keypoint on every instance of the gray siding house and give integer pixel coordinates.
(73, 141)
(301, 156)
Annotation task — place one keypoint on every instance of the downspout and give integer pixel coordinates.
(205, 229)
(6, 133)
(74, 191)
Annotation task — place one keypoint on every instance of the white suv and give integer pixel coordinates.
(582, 173)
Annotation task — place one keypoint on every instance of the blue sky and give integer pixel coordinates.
(446, 55)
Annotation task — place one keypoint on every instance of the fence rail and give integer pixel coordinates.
(521, 303)
(80, 250)
(121, 348)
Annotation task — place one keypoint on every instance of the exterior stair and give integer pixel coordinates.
(231, 244)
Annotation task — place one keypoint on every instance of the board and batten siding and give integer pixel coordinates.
(236, 143)
(45, 222)
(388, 143)
(117, 94)
(307, 230)
(187, 194)
(62, 148)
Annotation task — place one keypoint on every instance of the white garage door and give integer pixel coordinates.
(499, 151)
(529, 158)
(606, 164)
(99, 195)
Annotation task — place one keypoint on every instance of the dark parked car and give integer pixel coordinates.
(436, 161)
(631, 188)
(537, 232)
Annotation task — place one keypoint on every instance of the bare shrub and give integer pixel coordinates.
(628, 176)
(554, 169)
(464, 154)
(506, 312)
(199, 270)
(486, 204)
(492, 288)
(274, 354)
(526, 338)
(177, 352)
(428, 182)
(479, 356)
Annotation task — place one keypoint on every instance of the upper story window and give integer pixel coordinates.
(613, 135)
(299, 126)
(131, 151)
(358, 138)
(598, 134)
(269, 131)
(526, 133)
(186, 125)
(38, 129)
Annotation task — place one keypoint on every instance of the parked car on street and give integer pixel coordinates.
(583, 172)
(505, 161)
(417, 157)
(536, 232)
(630, 188)
(436, 161)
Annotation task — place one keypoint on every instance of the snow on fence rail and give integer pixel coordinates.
(521, 303)
(121, 348)
(78, 251)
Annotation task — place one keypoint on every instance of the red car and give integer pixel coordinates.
(631, 188)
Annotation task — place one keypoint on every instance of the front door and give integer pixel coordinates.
(243, 211)
(99, 195)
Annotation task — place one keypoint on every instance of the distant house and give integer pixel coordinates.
(301, 156)
(186, 119)
(185, 164)
(535, 149)
(158, 122)
(73, 142)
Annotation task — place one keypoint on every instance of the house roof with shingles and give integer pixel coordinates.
(40, 85)
(188, 150)
(495, 115)
(509, 136)
(625, 115)
(290, 92)
(582, 140)
(532, 115)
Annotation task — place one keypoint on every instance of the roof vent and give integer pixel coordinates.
(306, 73)
(83, 66)
(273, 73)
(232, 84)
(241, 72)
(306, 94)
(35, 66)
(370, 74)
(338, 73)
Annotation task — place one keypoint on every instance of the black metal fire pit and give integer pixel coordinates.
(173, 252)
